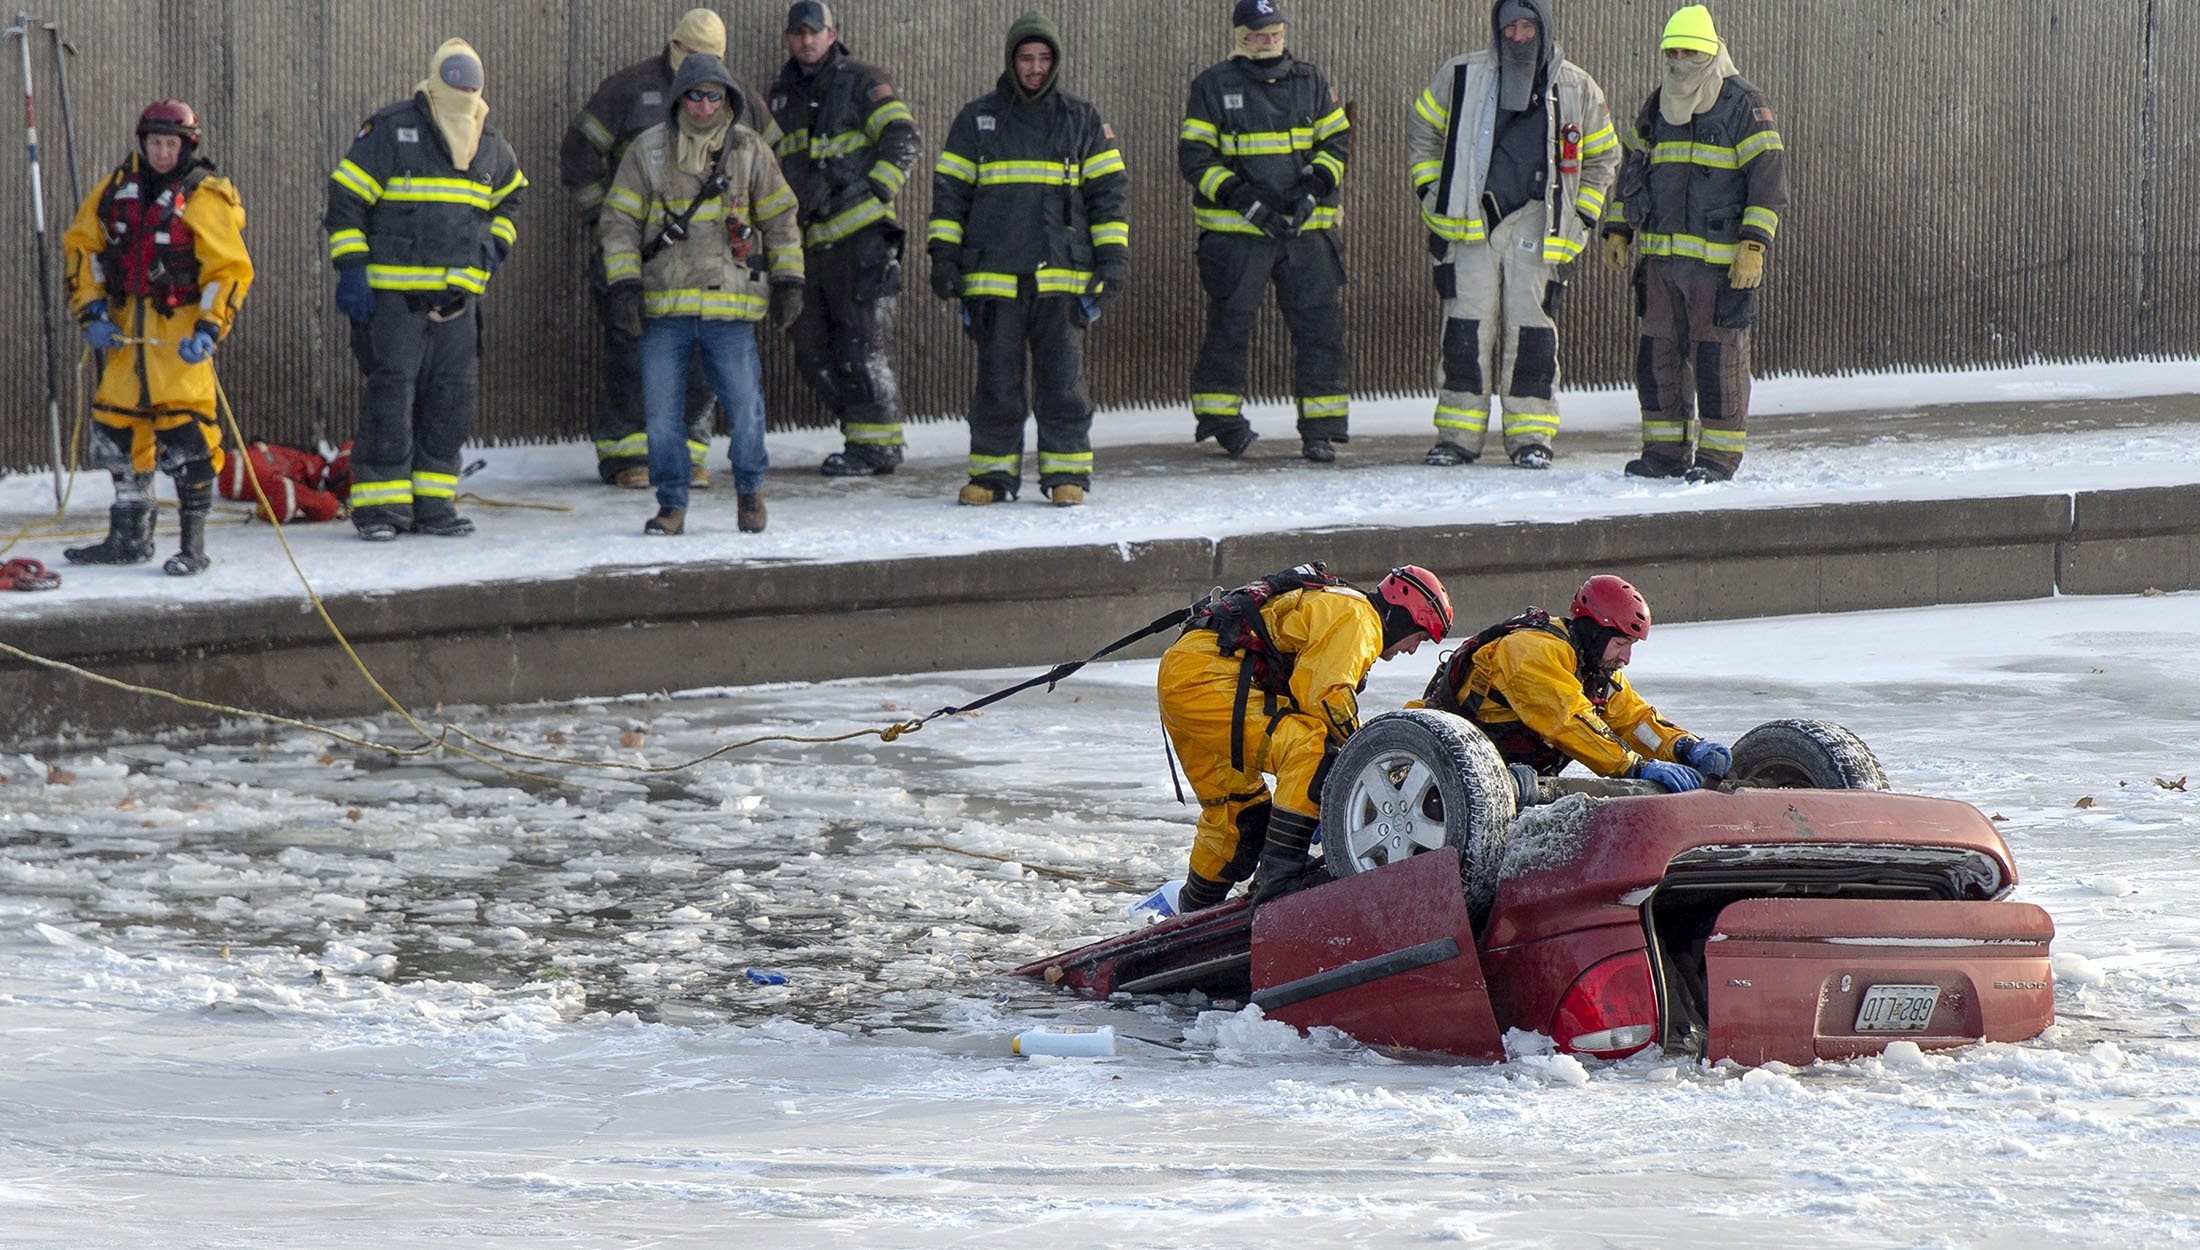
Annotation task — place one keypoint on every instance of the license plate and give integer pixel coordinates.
(1897, 1008)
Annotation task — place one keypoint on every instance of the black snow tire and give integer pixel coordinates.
(1805, 754)
(1444, 784)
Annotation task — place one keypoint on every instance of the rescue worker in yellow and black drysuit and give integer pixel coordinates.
(1702, 190)
(1265, 679)
(419, 216)
(1513, 153)
(1264, 145)
(626, 104)
(157, 270)
(1548, 692)
(849, 144)
(1028, 232)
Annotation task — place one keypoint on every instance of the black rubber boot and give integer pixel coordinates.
(195, 500)
(1283, 861)
(1199, 894)
(129, 527)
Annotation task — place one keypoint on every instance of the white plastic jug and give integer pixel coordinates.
(1068, 1040)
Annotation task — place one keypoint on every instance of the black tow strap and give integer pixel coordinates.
(1058, 672)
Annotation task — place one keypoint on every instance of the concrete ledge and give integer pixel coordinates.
(617, 632)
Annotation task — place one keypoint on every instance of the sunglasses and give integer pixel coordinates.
(704, 95)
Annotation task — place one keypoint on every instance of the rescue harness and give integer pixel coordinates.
(150, 253)
(1513, 739)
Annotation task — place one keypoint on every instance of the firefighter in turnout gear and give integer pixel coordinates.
(626, 104)
(700, 243)
(1513, 152)
(1265, 679)
(848, 145)
(1028, 232)
(157, 270)
(1701, 192)
(1548, 692)
(419, 217)
(1264, 145)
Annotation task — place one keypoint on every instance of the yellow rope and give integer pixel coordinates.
(444, 738)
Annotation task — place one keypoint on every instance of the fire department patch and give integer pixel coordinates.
(408, 134)
(985, 121)
(884, 91)
(1764, 115)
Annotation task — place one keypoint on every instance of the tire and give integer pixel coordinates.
(1440, 778)
(1805, 754)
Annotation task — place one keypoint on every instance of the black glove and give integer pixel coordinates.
(946, 278)
(1315, 181)
(1106, 288)
(1302, 212)
(625, 308)
(786, 304)
(1271, 219)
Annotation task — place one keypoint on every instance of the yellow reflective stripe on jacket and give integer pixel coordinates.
(1457, 229)
(1200, 130)
(1426, 172)
(841, 144)
(356, 180)
(406, 189)
(1212, 181)
(1758, 144)
(1687, 247)
(943, 230)
(1111, 233)
(589, 198)
(1712, 156)
(957, 167)
(1223, 221)
(1052, 281)
(599, 136)
(1330, 162)
(1590, 202)
(846, 222)
(888, 177)
(1101, 165)
(786, 261)
(1431, 111)
(1013, 173)
(467, 278)
(377, 494)
(428, 485)
(502, 229)
(1763, 219)
(893, 110)
(1268, 142)
(347, 243)
(1599, 141)
(792, 142)
(621, 265)
(714, 305)
(1559, 250)
(989, 286)
(781, 200)
(626, 200)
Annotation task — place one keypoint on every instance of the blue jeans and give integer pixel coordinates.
(729, 360)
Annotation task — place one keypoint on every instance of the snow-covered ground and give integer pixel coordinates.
(270, 992)
(1815, 440)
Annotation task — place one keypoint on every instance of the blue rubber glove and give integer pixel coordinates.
(1710, 758)
(199, 345)
(1678, 778)
(100, 333)
(353, 295)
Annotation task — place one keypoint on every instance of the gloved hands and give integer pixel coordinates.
(1315, 182)
(1104, 291)
(786, 306)
(1748, 269)
(1302, 212)
(100, 333)
(626, 309)
(1678, 778)
(200, 344)
(946, 278)
(1705, 756)
(1270, 219)
(497, 252)
(1615, 252)
(353, 295)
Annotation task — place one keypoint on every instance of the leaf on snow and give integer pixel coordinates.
(2087, 801)
(2178, 784)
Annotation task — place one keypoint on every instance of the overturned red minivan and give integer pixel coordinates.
(1797, 911)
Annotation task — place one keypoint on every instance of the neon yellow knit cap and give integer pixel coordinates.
(1691, 29)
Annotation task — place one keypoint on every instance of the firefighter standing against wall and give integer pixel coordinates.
(157, 270)
(419, 217)
(626, 104)
(1264, 145)
(1513, 152)
(1028, 232)
(700, 243)
(1547, 692)
(847, 147)
(1265, 679)
(1702, 190)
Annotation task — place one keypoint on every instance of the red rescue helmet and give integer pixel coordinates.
(1417, 590)
(1612, 603)
(169, 117)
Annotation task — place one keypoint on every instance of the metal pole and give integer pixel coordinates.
(68, 123)
(22, 31)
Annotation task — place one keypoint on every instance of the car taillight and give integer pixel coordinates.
(1611, 1011)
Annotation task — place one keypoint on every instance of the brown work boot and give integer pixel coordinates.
(667, 521)
(699, 478)
(977, 493)
(749, 513)
(633, 477)
(1067, 495)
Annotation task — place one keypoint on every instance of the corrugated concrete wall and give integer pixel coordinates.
(1975, 182)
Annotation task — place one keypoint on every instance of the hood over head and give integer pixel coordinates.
(453, 92)
(700, 30)
(697, 141)
(1522, 67)
(1033, 25)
